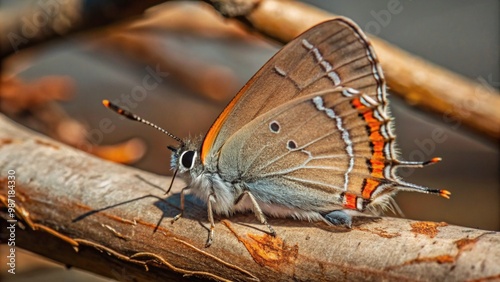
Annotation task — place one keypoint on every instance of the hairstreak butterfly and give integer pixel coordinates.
(308, 137)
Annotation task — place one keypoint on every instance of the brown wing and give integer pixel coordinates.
(312, 126)
(311, 150)
(332, 53)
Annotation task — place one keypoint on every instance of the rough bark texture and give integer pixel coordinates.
(115, 221)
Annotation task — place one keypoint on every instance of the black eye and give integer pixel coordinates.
(187, 159)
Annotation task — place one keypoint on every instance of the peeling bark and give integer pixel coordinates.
(115, 221)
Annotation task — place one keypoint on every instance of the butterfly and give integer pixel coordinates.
(308, 137)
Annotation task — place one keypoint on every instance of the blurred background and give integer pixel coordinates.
(200, 60)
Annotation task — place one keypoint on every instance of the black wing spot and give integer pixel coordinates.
(291, 145)
(274, 126)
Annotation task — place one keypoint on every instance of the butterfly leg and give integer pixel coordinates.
(259, 214)
(211, 199)
(339, 218)
(183, 191)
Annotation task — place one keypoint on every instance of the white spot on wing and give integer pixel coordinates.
(349, 92)
(317, 54)
(279, 71)
(327, 67)
(306, 44)
(334, 77)
(376, 70)
(383, 130)
(359, 204)
(318, 102)
(369, 100)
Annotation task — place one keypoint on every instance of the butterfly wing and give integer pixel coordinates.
(310, 152)
(312, 127)
(332, 53)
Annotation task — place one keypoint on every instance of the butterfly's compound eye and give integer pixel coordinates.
(187, 159)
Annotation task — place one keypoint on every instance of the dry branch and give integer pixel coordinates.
(115, 221)
(49, 20)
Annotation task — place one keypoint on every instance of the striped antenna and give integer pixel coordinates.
(135, 117)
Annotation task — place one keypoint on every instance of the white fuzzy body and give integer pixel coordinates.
(227, 195)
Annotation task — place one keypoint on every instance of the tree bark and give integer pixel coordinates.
(52, 19)
(115, 221)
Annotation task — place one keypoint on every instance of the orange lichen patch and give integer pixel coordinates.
(443, 259)
(466, 244)
(380, 232)
(439, 259)
(6, 141)
(267, 250)
(427, 228)
(270, 251)
(44, 143)
(463, 245)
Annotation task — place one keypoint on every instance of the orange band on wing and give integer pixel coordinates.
(350, 201)
(214, 130)
(377, 142)
(369, 186)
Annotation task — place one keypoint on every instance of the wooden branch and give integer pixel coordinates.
(115, 221)
(457, 99)
(48, 20)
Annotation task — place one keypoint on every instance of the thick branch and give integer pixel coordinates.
(115, 221)
(47, 20)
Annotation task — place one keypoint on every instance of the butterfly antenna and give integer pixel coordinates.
(135, 117)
